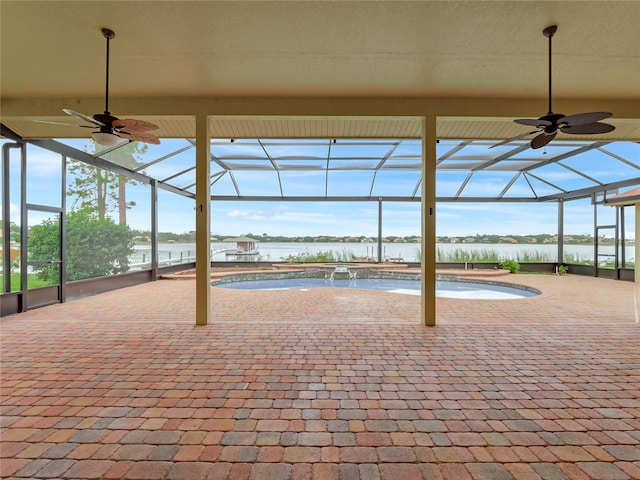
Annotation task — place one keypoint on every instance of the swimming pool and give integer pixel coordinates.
(446, 289)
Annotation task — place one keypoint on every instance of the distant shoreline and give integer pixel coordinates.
(586, 240)
(477, 239)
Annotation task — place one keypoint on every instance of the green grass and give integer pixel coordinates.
(487, 255)
(32, 281)
(326, 256)
(462, 255)
(576, 259)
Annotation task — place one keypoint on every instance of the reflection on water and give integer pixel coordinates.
(175, 253)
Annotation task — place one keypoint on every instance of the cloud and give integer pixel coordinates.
(277, 211)
(42, 163)
(296, 219)
(239, 214)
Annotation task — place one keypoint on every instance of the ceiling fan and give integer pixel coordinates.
(109, 130)
(548, 125)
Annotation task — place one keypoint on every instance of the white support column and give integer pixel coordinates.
(203, 226)
(154, 230)
(379, 230)
(428, 265)
(636, 295)
(560, 233)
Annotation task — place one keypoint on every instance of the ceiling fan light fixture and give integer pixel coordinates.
(107, 139)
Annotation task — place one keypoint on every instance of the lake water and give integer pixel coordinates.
(408, 252)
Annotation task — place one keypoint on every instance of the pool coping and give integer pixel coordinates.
(220, 272)
(366, 272)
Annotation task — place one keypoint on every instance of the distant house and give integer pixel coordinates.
(508, 240)
(628, 198)
(244, 246)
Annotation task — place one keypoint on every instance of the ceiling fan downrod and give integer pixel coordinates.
(549, 32)
(109, 35)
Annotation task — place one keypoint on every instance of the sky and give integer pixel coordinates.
(321, 218)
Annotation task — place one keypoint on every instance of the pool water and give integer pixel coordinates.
(445, 289)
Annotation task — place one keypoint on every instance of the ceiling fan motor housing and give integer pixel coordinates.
(553, 118)
(106, 118)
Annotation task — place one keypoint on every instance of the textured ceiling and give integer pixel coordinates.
(455, 49)
(208, 48)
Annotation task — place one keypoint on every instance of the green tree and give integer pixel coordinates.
(14, 231)
(96, 246)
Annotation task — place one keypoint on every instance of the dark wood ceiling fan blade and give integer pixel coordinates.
(517, 137)
(533, 122)
(542, 139)
(134, 125)
(590, 128)
(82, 116)
(583, 118)
(145, 137)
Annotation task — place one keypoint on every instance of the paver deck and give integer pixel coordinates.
(325, 384)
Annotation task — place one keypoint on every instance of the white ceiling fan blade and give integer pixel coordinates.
(62, 123)
(83, 117)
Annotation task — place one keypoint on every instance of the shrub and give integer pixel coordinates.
(511, 265)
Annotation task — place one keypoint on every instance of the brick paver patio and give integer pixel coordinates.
(325, 384)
